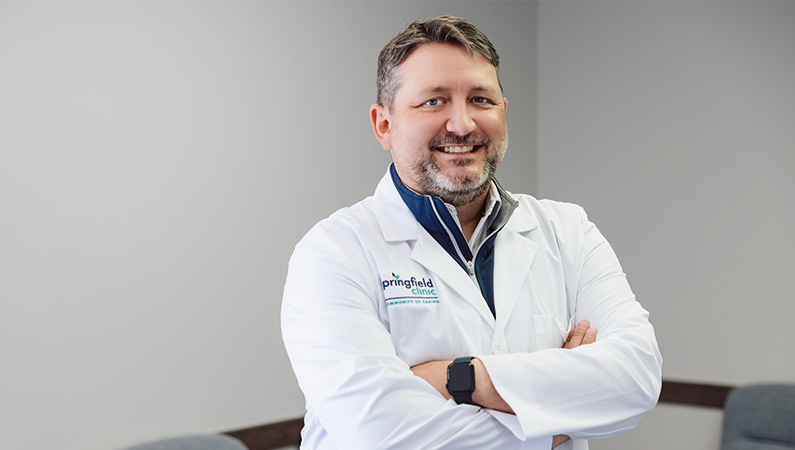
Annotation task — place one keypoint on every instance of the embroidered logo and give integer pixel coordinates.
(412, 290)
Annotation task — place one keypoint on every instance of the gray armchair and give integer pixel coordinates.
(760, 417)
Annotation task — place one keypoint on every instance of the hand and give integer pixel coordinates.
(581, 335)
(559, 439)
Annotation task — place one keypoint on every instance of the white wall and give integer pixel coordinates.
(158, 162)
(672, 124)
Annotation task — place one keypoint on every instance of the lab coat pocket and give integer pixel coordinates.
(549, 332)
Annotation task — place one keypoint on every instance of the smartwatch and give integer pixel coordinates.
(461, 379)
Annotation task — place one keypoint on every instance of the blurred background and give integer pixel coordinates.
(160, 160)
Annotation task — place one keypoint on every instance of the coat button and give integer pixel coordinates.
(500, 348)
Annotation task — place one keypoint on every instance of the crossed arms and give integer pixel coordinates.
(485, 395)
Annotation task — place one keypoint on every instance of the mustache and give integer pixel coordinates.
(454, 139)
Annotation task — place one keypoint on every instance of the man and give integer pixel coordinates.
(441, 312)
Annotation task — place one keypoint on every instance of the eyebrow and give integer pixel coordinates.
(441, 89)
(485, 89)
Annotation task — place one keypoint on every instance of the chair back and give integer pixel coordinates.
(760, 417)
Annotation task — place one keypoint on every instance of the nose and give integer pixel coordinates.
(460, 121)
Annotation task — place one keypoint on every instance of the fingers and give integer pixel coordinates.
(590, 336)
(581, 335)
(559, 439)
(577, 335)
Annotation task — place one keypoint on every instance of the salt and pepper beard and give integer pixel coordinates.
(460, 190)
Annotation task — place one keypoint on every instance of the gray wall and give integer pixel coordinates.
(158, 162)
(672, 124)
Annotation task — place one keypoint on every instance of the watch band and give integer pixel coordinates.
(461, 379)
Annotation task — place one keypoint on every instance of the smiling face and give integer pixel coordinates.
(446, 128)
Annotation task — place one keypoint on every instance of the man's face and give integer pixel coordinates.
(446, 129)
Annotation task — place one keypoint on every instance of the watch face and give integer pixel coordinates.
(461, 377)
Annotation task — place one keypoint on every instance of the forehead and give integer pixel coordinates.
(445, 67)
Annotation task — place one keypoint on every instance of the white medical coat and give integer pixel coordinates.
(353, 330)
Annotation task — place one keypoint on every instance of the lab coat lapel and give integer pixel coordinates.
(435, 259)
(513, 258)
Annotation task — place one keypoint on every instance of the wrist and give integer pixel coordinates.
(482, 381)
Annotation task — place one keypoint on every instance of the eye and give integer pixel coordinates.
(433, 102)
(482, 100)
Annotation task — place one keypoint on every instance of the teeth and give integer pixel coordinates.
(452, 149)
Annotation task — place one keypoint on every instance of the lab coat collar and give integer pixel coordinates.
(514, 254)
(433, 214)
(394, 217)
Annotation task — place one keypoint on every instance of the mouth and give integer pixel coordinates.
(458, 149)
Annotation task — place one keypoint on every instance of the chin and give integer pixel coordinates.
(459, 185)
(458, 191)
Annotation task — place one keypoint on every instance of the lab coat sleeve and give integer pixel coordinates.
(364, 396)
(594, 391)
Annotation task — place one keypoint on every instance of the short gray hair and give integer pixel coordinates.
(441, 30)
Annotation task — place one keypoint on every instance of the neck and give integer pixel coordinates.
(469, 215)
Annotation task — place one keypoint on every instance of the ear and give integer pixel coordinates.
(379, 116)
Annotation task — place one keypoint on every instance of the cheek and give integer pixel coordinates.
(423, 126)
(412, 137)
(493, 124)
